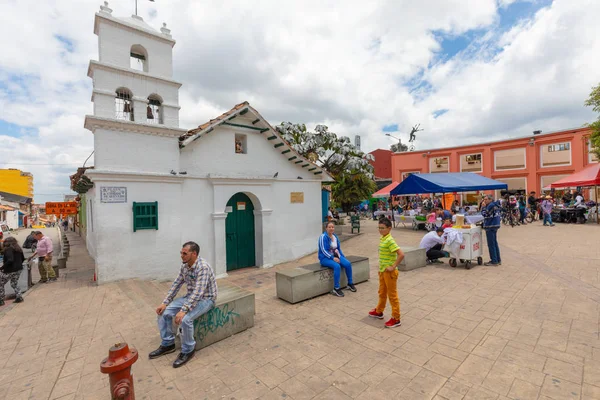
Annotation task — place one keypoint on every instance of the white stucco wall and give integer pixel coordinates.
(215, 153)
(12, 219)
(127, 151)
(115, 43)
(121, 253)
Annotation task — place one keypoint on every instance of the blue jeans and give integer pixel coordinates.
(492, 241)
(326, 262)
(547, 218)
(165, 323)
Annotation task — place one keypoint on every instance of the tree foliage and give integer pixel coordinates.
(594, 102)
(337, 155)
(349, 190)
(399, 147)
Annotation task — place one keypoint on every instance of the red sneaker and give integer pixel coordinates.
(374, 314)
(392, 323)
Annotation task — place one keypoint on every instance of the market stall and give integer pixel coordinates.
(587, 177)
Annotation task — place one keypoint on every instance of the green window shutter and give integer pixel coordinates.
(145, 216)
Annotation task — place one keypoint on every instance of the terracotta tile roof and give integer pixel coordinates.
(221, 117)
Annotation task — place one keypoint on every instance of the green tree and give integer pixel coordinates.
(349, 190)
(399, 147)
(336, 155)
(594, 102)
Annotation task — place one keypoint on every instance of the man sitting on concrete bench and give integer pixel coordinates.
(433, 242)
(200, 298)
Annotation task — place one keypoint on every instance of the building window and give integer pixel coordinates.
(241, 145)
(124, 105)
(138, 58)
(438, 164)
(546, 181)
(407, 174)
(555, 154)
(145, 216)
(154, 110)
(592, 157)
(471, 163)
(509, 159)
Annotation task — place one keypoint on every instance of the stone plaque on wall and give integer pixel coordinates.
(113, 194)
(297, 197)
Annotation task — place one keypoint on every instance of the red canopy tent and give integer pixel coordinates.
(589, 176)
(385, 192)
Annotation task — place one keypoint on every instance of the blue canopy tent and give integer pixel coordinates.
(445, 183)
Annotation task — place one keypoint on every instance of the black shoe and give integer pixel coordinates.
(43, 281)
(162, 350)
(351, 287)
(52, 279)
(2, 302)
(337, 292)
(182, 358)
(490, 263)
(19, 299)
(437, 261)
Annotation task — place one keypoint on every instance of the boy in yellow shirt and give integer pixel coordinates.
(390, 255)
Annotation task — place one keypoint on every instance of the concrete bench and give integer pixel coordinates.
(233, 313)
(414, 257)
(308, 281)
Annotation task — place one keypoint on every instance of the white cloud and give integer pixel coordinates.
(354, 67)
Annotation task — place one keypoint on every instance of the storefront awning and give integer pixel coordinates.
(385, 191)
(589, 176)
(446, 183)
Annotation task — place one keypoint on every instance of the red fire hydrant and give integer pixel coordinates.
(118, 367)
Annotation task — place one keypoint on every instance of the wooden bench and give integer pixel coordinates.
(233, 313)
(414, 257)
(308, 281)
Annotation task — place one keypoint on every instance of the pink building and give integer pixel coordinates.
(529, 163)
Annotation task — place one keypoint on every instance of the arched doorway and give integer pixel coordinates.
(239, 233)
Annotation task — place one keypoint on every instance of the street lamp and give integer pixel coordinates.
(390, 135)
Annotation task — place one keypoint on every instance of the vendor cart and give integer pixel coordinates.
(470, 249)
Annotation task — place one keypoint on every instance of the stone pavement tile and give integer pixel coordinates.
(468, 325)
(453, 390)
(24, 395)
(22, 384)
(473, 370)
(314, 377)
(487, 352)
(280, 362)
(558, 389)
(559, 355)
(413, 354)
(442, 365)
(522, 390)
(332, 393)
(579, 349)
(65, 386)
(520, 372)
(374, 393)
(426, 383)
(296, 389)
(590, 392)
(188, 382)
(211, 388)
(360, 365)
(524, 358)
(498, 380)
(337, 359)
(72, 367)
(250, 391)
(448, 351)
(563, 370)
(592, 372)
(378, 373)
(167, 392)
(553, 340)
(558, 327)
(234, 376)
(270, 375)
(297, 365)
(480, 393)
(348, 384)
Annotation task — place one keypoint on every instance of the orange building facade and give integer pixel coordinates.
(528, 164)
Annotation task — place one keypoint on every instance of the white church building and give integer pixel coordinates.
(233, 185)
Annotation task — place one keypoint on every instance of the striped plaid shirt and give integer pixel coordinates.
(200, 281)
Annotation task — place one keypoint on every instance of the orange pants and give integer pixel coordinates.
(388, 289)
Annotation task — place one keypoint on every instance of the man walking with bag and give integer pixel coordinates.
(44, 252)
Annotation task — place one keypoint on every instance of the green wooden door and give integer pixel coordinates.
(239, 233)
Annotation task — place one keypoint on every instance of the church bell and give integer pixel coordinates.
(149, 114)
(126, 107)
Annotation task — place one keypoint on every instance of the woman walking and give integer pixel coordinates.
(11, 269)
(331, 256)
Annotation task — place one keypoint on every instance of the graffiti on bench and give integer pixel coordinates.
(325, 275)
(213, 320)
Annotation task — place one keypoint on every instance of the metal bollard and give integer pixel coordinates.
(118, 367)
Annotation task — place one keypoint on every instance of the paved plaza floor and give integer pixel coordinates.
(528, 329)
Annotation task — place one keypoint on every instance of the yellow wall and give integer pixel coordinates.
(16, 182)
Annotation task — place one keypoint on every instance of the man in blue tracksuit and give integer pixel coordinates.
(331, 256)
(491, 211)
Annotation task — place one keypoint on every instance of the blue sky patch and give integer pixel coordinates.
(437, 113)
(390, 128)
(9, 129)
(66, 43)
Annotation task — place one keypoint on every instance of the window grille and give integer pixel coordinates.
(123, 105)
(145, 216)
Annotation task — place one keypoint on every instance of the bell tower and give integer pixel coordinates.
(133, 89)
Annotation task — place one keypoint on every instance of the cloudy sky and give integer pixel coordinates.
(466, 70)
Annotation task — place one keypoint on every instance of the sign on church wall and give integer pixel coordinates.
(113, 194)
(297, 197)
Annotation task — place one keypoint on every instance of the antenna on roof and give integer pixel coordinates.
(136, 1)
